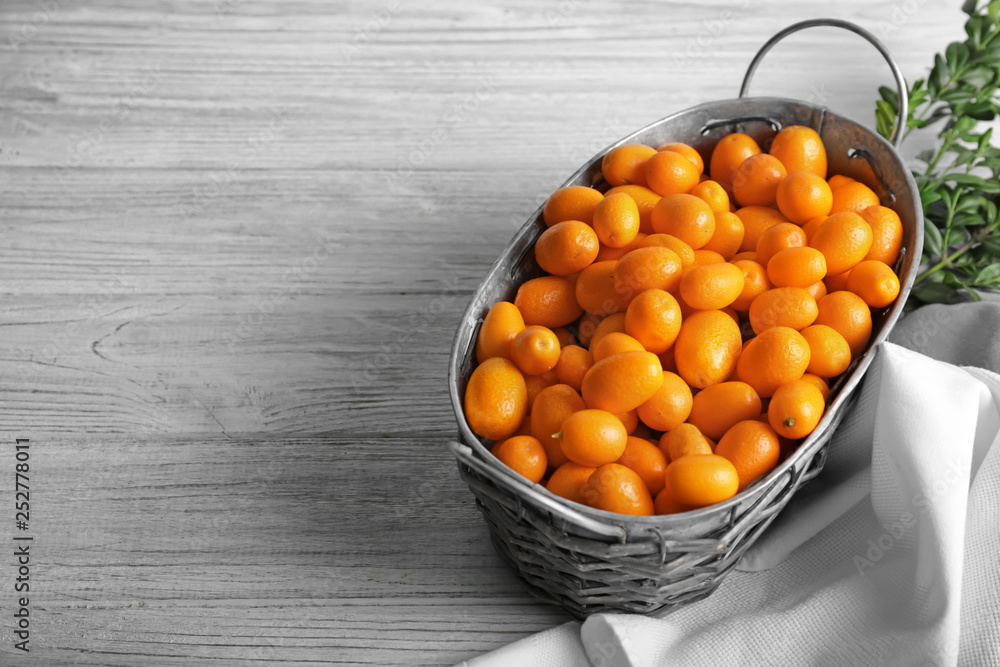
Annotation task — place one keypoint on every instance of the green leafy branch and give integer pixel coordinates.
(960, 181)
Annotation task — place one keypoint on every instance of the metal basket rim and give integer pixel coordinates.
(814, 442)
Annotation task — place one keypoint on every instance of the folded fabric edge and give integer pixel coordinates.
(560, 646)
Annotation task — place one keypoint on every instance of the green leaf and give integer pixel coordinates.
(938, 76)
(948, 197)
(956, 55)
(940, 112)
(885, 118)
(976, 182)
(979, 76)
(929, 197)
(951, 280)
(976, 111)
(959, 179)
(935, 277)
(991, 211)
(933, 293)
(968, 220)
(990, 58)
(984, 141)
(890, 96)
(932, 238)
(959, 95)
(963, 155)
(970, 203)
(974, 29)
(990, 274)
(992, 245)
(964, 124)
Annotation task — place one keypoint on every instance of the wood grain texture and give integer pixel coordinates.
(238, 550)
(237, 239)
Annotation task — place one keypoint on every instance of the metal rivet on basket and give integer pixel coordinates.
(861, 153)
(739, 122)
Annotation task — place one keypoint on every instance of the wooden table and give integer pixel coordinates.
(238, 236)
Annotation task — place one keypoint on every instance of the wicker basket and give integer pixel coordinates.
(587, 560)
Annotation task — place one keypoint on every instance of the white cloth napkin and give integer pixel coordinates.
(889, 557)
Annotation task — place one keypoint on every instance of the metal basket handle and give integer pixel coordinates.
(897, 135)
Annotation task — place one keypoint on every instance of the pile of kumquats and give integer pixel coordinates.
(692, 317)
